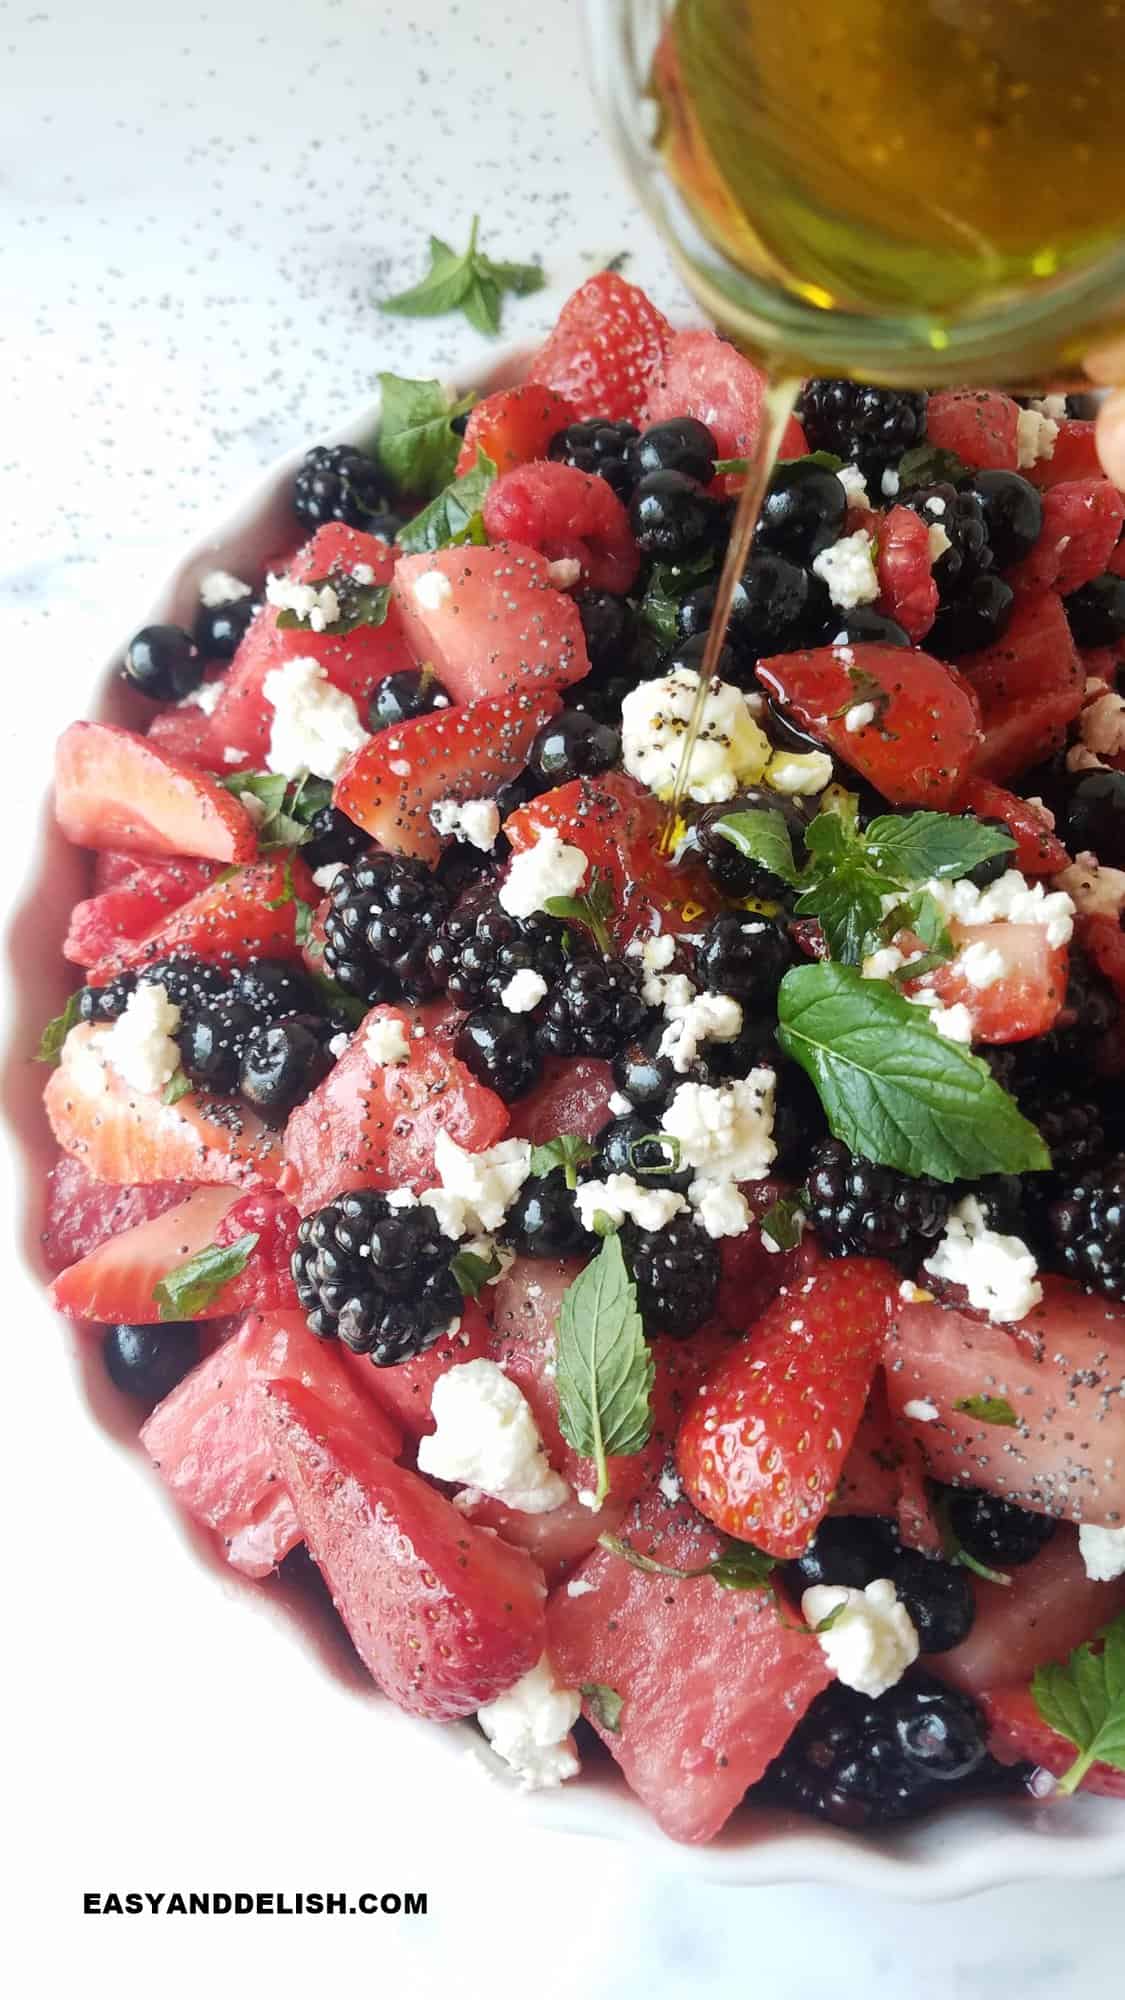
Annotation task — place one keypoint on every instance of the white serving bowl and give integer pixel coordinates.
(959, 1852)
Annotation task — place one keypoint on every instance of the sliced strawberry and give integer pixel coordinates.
(121, 1135)
(114, 789)
(117, 1281)
(926, 734)
(1017, 1733)
(443, 1615)
(491, 622)
(374, 1126)
(406, 1390)
(566, 515)
(172, 882)
(1038, 851)
(461, 753)
(980, 425)
(907, 591)
(136, 897)
(706, 378)
(514, 426)
(618, 825)
(82, 1212)
(210, 1446)
(252, 913)
(761, 1448)
(1029, 685)
(1075, 455)
(606, 350)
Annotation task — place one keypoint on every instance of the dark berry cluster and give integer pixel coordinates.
(385, 911)
(335, 482)
(478, 948)
(376, 1277)
(598, 446)
(868, 427)
(861, 1210)
(853, 1550)
(1087, 1223)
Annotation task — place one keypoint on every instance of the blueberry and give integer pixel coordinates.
(164, 662)
(864, 626)
(688, 655)
(646, 1078)
(984, 872)
(543, 1220)
(1096, 612)
(499, 1049)
(108, 1002)
(673, 518)
(212, 1039)
(938, 1596)
(220, 628)
(682, 444)
(997, 1532)
(1092, 816)
(736, 874)
(745, 955)
(976, 619)
(413, 691)
(803, 511)
(785, 606)
(631, 1145)
(1013, 513)
(604, 624)
(573, 745)
(148, 1361)
(847, 1549)
(332, 836)
(281, 1064)
(272, 988)
(187, 980)
(937, 1728)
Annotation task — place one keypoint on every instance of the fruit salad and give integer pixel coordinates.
(661, 1278)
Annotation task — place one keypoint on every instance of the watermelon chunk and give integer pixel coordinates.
(491, 622)
(82, 1212)
(1029, 685)
(406, 1390)
(980, 425)
(252, 913)
(1049, 1607)
(573, 1096)
(1018, 1733)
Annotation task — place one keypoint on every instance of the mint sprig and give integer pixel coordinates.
(472, 1273)
(452, 514)
(467, 282)
(417, 446)
(359, 604)
(289, 805)
(593, 909)
(604, 1704)
(1084, 1700)
(56, 1031)
(605, 1370)
(667, 586)
(569, 1151)
(187, 1291)
(895, 1090)
(737, 1566)
(988, 1410)
(783, 1222)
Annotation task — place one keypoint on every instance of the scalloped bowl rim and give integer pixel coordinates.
(961, 1852)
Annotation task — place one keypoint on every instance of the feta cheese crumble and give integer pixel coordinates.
(482, 1186)
(855, 486)
(317, 605)
(1095, 891)
(725, 1130)
(708, 1017)
(1101, 725)
(981, 964)
(139, 1044)
(729, 749)
(920, 1410)
(720, 1208)
(848, 568)
(1102, 1551)
(385, 1041)
(204, 697)
(939, 542)
(432, 589)
(487, 1437)
(524, 991)
(219, 587)
(476, 821)
(548, 868)
(621, 1198)
(872, 1639)
(859, 716)
(1036, 436)
(316, 726)
(529, 1727)
(1010, 899)
(998, 1272)
(799, 774)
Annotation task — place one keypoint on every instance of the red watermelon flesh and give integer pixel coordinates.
(209, 1445)
(712, 1682)
(82, 1212)
(572, 1097)
(489, 621)
(1049, 1607)
(406, 1390)
(1017, 1733)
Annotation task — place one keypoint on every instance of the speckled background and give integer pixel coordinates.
(198, 212)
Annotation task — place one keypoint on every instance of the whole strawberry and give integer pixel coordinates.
(761, 1447)
(606, 350)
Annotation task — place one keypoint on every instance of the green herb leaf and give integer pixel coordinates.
(953, 1551)
(468, 282)
(360, 604)
(605, 1370)
(841, 887)
(762, 837)
(893, 1088)
(929, 465)
(473, 1273)
(605, 1704)
(639, 1151)
(989, 1410)
(1085, 1702)
(186, 1292)
(569, 1151)
(288, 892)
(449, 518)
(783, 1222)
(831, 1618)
(915, 846)
(417, 447)
(922, 914)
(668, 585)
(593, 909)
(56, 1032)
(338, 998)
(177, 1086)
(289, 806)
(740, 1566)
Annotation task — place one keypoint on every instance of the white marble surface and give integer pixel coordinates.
(198, 210)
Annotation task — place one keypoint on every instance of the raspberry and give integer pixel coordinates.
(565, 514)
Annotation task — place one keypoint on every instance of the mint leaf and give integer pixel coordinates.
(783, 1222)
(288, 893)
(605, 1704)
(339, 999)
(951, 1546)
(929, 465)
(922, 914)
(988, 1410)
(360, 604)
(56, 1031)
(762, 837)
(841, 887)
(450, 516)
(604, 1368)
(893, 1088)
(827, 459)
(668, 585)
(568, 1151)
(289, 806)
(187, 1291)
(177, 1086)
(473, 1273)
(1084, 1700)
(738, 1565)
(593, 909)
(417, 447)
(467, 282)
(915, 846)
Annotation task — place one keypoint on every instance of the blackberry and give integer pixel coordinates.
(746, 956)
(402, 697)
(478, 947)
(863, 1762)
(593, 1009)
(335, 482)
(1092, 816)
(212, 1040)
(784, 606)
(377, 1278)
(1072, 1128)
(960, 516)
(853, 1550)
(803, 511)
(573, 745)
(862, 425)
(1087, 1224)
(798, 1119)
(385, 912)
(997, 1532)
(681, 444)
(332, 836)
(674, 518)
(281, 1063)
(676, 1272)
(1096, 612)
(164, 662)
(599, 446)
(605, 622)
(500, 1050)
(149, 1361)
(847, 1549)
(1002, 1202)
(543, 1220)
(632, 1145)
(463, 866)
(974, 619)
(1013, 513)
(189, 981)
(106, 1003)
(861, 1210)
(219, 629)
(273, 988)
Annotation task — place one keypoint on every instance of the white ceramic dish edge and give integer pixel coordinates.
(959, 1853)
